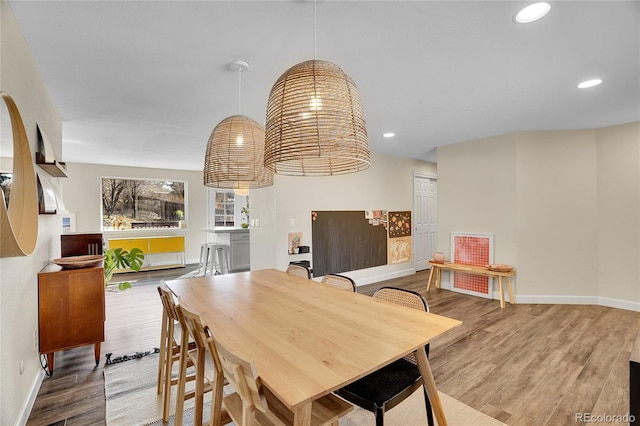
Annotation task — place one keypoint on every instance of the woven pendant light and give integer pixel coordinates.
(315, 123)
(235, 152)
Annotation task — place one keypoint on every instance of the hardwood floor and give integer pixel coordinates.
(523, 365)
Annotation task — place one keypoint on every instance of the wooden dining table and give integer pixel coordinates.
(309, 339)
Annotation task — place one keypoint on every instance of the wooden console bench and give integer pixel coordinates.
(437, 267)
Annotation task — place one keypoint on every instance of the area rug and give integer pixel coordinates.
(130, 389)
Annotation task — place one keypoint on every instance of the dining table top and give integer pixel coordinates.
(307, 339)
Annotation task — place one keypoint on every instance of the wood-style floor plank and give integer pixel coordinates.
(523, 365)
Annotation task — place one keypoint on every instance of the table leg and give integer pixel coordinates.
(302, 415)
(501, 292)
(511, 299)
(430, 278)
(438, 277)
(430, 386)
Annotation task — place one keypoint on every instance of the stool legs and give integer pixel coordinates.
(205, 254)
(219, 260)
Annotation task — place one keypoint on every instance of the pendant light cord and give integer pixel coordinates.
(239, 91)
(314, 31)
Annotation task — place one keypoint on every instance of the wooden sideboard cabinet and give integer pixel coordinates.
(71, 309)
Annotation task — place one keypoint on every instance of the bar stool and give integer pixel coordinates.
(218, 259)
(205, 253)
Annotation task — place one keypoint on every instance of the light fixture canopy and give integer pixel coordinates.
(234, 158)
(315, 123)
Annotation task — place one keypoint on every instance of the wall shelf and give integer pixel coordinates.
(45, 159)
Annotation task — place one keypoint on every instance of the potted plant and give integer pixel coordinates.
(180, 215)
(245, 217)
(118, 258)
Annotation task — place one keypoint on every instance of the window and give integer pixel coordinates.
(227, 209)
(5, 185)
(142, 204)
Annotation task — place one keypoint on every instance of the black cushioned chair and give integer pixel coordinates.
(383, 389)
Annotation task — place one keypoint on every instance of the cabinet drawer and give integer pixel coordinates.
(240, 236)
(128, 244)
(166, 244)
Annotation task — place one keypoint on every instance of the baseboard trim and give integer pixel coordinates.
(383, 277)
(25, 411)
(558, 299)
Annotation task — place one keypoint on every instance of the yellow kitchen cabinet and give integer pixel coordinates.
(160, 252)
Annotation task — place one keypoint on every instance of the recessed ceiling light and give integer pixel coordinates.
(589, 83)
(388, 135)
(531, 13)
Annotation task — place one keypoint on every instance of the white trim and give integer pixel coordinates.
(620, 304)
(424, 175)
(26, 408)
(580, 300)
(383, 277)
(557, 299)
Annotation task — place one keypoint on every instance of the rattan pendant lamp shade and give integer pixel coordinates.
(235, 153)
(315, 122)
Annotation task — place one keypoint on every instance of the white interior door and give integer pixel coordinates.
(425, 193)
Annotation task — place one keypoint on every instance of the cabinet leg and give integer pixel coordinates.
(96, 352)
(50, 362)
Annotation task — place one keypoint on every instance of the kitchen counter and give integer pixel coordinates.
(239, 246)
(227, 230)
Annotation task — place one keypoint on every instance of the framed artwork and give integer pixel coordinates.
(399, 237)
(295, 241)
(472, 249)
(68, 223)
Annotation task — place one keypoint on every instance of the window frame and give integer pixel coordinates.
(175, 222)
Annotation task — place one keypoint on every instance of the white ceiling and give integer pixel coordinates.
(143, 83)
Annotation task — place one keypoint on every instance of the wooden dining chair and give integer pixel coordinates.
(387, 387)
(254, 404)
(339, 281)
(170, 340)
(299, 270)
(209, 376)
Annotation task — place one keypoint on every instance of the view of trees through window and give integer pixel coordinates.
(5, 185)
(142, 203)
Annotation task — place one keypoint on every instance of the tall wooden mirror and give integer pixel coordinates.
(18, 219)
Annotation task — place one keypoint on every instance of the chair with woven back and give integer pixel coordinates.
(254, 404)
(170, 341)
(209, 375)
(387, 387)
(339, 281)
(299, 270)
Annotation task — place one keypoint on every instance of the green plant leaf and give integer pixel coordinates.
(119, 258)
(124, 285)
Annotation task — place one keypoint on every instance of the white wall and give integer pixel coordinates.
(386, 185)
(563, 207)
(618, 256)
(557, 225)
(20, 78)
(82, 196)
